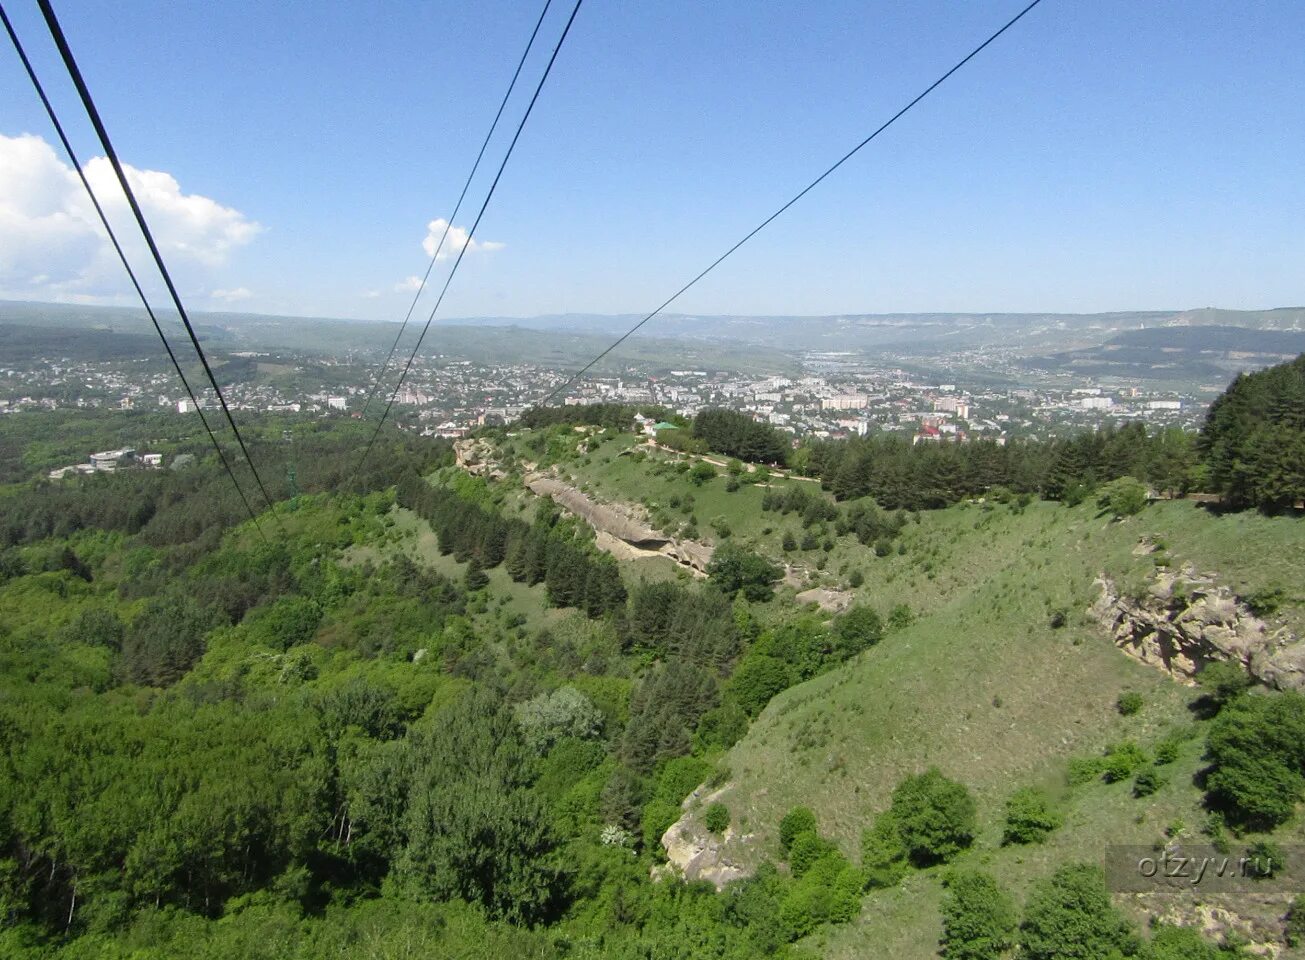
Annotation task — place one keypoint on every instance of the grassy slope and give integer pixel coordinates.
(984, 584)
(926, 696)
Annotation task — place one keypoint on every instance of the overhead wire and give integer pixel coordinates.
(471, 233)
(122, 256)
(802, 193)
(448, 224)
(70, 62)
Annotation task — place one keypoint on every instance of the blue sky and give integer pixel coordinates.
(1102, 155)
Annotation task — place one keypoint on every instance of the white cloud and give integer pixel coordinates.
(371, 295)
(231, 296)
(454, 242)
(408, 285)
(52, 243)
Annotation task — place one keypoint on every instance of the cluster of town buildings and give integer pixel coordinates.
(832, 397)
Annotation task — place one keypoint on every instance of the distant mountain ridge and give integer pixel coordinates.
(766, 339)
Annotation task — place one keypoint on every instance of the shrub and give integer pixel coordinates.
(828, 892)
(858, 628)
(1030, 817)
(1266, 602)
(1266, 859)
(794, 824)
(1129, 703)
(1223, 681)
(807, 850)
(717, 818)
(856, 579)
(979, 918)
(1121, 760)
(757, 679)
(1147, 782)
(1123, 497)
(679, 777)
(1169, 942)
(883, 857)
(658, 815)
(900, 617)
(1084, 770)
(1070, 915)
(1295, 929)
(935, 817)
(788, 543)
(701, 473)
(1257, 745)
(1166, 751)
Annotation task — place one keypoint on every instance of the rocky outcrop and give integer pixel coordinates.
(620, 526)
(475, 455)
(695, 853)
(1185, 621)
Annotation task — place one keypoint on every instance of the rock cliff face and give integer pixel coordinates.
(621, 525)
(1186, 620)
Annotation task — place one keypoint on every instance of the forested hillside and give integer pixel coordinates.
(419, 712)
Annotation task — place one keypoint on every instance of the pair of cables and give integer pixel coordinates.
(93, 113)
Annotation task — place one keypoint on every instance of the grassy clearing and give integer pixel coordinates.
(414, 537)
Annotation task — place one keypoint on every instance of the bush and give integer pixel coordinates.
(858, 628)
(658, 815)
(1295, 931)
(795, 823)
(1266, 859)
(701, 473)
(1166, 751)
(1129, 703)
(1121, 760)
(900, 617)
(1070, 915)
(979, 918)
(679, 777)
(788, 544)
(807, 850)
(1223, 681)
(717, 818)
(1147, 782)
(757, 679)
(829, 891)
(1123, 497)
(1183, 943)
(1084, 770)
(935, 817)
(1030, 817)
(883, 856)
(855, 579)
(1257, 745)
